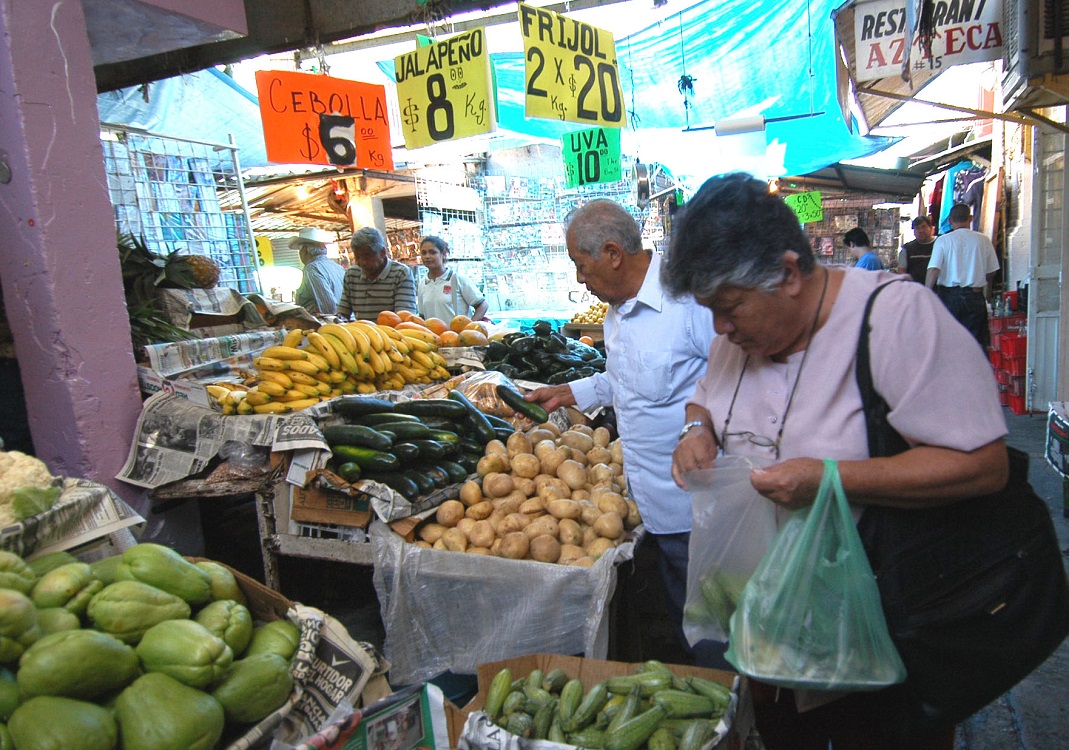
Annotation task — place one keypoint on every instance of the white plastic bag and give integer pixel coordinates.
(732, 528)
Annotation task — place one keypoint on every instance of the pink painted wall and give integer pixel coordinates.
(58, 262)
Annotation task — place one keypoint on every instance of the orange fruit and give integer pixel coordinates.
(388, 318)
(469, 337)
(476, 326)
(404, 315)
(449, 338)
(413, 318)
(586, 340)
(459, 323)
(408, 325)
(437, 325)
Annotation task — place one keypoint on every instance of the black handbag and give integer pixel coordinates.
(974, 592)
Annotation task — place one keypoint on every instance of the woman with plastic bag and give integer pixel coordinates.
(781, 384)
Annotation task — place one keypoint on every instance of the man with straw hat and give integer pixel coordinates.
(321, 286)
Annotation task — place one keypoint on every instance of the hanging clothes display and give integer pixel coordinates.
(955, 183)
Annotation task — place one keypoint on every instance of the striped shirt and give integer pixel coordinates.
(392, 290)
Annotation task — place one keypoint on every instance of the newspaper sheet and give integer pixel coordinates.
(211, 355)
(84, 512)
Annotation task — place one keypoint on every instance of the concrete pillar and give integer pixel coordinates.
(58, 260)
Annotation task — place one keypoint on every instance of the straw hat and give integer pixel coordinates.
(311, 236)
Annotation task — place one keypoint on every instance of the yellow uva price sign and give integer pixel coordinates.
(570, 71)
(444, 91)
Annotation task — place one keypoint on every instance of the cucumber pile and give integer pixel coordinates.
(414, 447)
(654, 708)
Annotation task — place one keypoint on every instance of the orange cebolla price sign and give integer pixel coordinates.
(317, 119)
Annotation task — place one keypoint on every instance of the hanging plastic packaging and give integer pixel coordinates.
(810, 616)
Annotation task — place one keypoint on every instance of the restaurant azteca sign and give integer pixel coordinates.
(966, 31)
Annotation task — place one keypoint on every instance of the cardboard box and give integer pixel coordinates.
(593, 671)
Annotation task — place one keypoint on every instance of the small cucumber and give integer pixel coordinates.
(535, 412)
(467, 445)
(456, 472)
(475, 418)
(634, 732)
(651, 682)
(429, 450)
(367, 459)
(349, 471)
(432, 407)
(555, 681)
(504, 433)
(680, 705)
(377, 418)
(357, 406)
(407, 453)
(406, 431)
(499, 690)
(439, 423)
(395, 481)
(498, 423)
(697, 734)
(351, 434)
(437, 474)
(445, 436)
(571, 695)
(592, 702)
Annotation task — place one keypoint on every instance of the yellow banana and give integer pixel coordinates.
(303, 404)
(423, 360)
(324, 389)
(416, 344)
(293, 337)
(325, 350)
(303, 378)
(308, 390)
(406, 373)
(319, 361)
(281, 378)
(363, 341)
(348, 387)
(272, 389)
(348, 361)
(340, 332)
(285, 352)
(436, 358)
(236, 397)
(307, 368)
(256, 397)
(365, 388)
(272, 407)
(389, 331)
(394, 355)
(218, 392)
(270, 363)
(336, 376)
(426, 336)
(244, 407)
(229, 408)
(440, 373)
(373, 335)
(402, 345)
(377, 363)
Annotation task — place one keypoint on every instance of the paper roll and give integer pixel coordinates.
(740, 125)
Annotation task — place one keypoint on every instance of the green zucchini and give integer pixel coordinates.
(432, 407)
(437, 474)
(589, 737)
(571, 695)
(468, 461)
(555, 681)
(424, 482)
(445, 436)
(352, 434)
(356, 406)
(535, 412)
(467, 445)
(406, 431)
(499, 690)
(349, 471)
(475, 418)
(430, 450)
(634, 732)
(662, 739)
(407, 453)
(396, 481)
(456, 472)
(367, 459)
(588, 709)
(651, 682)
(697, 734)
(680, 705)
(496, 421)
(378, 418)
(504, 433)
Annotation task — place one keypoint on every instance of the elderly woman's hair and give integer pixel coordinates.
(733, 232)
(438, 242)
(599, 221)
(370, 238)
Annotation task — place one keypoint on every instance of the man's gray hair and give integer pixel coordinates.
(313, 250)
(600, 221)
(370, 238)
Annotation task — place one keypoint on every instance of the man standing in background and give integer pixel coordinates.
(375, 283)
(321, 283)
(914, 256)
(857, 243)
(962, 265)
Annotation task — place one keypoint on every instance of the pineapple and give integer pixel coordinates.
(198, 271)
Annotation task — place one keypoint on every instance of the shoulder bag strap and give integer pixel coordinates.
(883, 439)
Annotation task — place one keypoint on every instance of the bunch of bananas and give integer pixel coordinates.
(593, 314)
(227, 395)
(359, 357)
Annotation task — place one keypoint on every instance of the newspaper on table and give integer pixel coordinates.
(176, 438)
(210, 355)
(85, 511)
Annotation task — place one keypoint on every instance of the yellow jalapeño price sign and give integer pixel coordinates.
(591, 156)
(444, 90)
(570, 71)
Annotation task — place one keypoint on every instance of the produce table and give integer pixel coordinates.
(595, 331)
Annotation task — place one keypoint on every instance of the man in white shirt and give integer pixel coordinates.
(656, 349)
(962, 265)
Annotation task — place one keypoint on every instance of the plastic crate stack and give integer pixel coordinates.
(1009, 345)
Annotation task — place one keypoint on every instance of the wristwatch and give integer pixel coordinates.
(690, 426)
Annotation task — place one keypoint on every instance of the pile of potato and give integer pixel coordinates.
(545, 495)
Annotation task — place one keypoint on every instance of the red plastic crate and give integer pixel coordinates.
(1013, 345)
(1006, 324)
(1004, 397)
(1016, 385)
(1002, 377)
(1016, 404)
(995, 357)
(1015, 365)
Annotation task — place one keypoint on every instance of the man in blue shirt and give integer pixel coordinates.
(321, 284)
(656, 349)
(857, 243)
